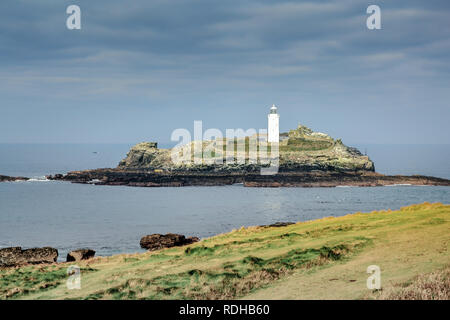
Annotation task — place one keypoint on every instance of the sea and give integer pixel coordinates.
(112, 219)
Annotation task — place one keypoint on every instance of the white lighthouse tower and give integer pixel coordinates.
(273, 127)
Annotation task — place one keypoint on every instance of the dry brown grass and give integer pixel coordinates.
(429, 286)
(235, 287)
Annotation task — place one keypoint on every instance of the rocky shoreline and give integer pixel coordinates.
(10, 179)
(314, 178)
(17, 257)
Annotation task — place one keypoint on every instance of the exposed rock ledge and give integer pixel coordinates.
(159, 241)
(7, 178)
(314, 178)
(15, 256)
(80, 254)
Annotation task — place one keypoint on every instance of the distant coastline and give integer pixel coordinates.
(10, 179)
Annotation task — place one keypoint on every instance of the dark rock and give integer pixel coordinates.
(278, 224)
(6, 178)
(15, 256)
(297, 177)
(10, 256)
(80, 254)
(159, 241)
(57, 176)
(40, 255)
(190, 240)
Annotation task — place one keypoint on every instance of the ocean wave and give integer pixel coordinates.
(38, 179)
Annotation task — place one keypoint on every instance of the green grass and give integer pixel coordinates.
(22, 281)
(302, 144)
(231, 279)
(320, 259)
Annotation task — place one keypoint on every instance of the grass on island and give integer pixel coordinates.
(321, 259)
(222, 148)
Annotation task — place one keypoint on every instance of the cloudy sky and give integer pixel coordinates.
(139, 69)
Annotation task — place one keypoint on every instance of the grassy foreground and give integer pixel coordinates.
(321, 259)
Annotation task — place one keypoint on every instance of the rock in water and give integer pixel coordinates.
(7, 178)
(80, 254)
(15, 256)
(190, 240)
(300, 150)
(159, 241)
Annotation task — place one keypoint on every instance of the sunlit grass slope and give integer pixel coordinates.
(320, 259)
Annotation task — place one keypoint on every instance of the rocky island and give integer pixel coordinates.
(305, 159)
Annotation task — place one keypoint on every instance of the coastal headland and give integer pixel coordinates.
(320, 259)
(304, 159)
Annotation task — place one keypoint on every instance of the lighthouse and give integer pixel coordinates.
(273, 126)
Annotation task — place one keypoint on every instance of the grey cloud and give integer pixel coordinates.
(176, 52)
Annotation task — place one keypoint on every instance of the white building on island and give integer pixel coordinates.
(273, 126)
